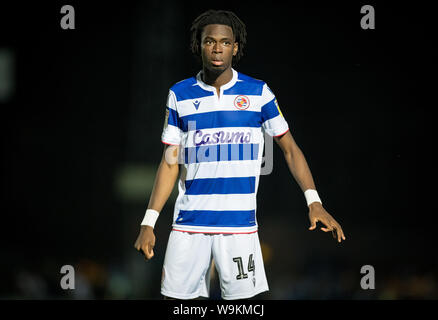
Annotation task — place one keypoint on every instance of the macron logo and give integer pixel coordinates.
(196, 104)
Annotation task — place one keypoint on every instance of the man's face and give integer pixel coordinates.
(218, 47)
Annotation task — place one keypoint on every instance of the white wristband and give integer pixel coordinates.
(150, 218)
(311, 196)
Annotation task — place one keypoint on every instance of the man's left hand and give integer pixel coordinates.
(318, 213)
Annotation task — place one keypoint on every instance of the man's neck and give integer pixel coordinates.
(217, 79)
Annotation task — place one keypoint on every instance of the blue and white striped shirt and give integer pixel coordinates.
(221, 145)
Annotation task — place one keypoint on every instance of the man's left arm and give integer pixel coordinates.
(301, 172)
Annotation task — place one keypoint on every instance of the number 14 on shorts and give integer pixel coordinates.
(241, 272)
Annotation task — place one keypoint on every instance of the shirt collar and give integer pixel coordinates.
(226, 86)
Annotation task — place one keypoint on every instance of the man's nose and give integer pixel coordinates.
(217, 48)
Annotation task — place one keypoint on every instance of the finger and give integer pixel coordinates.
(339, 235)
(339, 232)
(137, 247)
(313, 224)
(327, 229)
(334, 234)
(149, 251)
(149, 254)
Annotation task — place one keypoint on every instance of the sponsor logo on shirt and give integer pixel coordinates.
(200, 138)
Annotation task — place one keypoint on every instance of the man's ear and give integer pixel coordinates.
(235, 48)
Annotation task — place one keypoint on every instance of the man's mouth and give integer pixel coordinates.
(217, 62)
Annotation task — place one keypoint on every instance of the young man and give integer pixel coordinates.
(214, 125)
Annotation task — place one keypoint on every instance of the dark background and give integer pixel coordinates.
(81, 130)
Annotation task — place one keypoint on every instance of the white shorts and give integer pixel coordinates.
(238, 260)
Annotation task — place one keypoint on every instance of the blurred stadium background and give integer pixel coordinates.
(82, 117)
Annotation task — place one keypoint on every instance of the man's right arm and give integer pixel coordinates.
(167, 174)
(165, 178)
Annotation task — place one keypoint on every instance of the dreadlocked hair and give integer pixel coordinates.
(218, 17)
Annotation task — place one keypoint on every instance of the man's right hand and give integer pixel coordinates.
(146, 241)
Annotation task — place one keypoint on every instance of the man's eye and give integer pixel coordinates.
(227, 43)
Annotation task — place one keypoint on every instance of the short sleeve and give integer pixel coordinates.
(273, 121)
(172, 124)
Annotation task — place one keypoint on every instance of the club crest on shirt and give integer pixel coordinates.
(241, 102)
